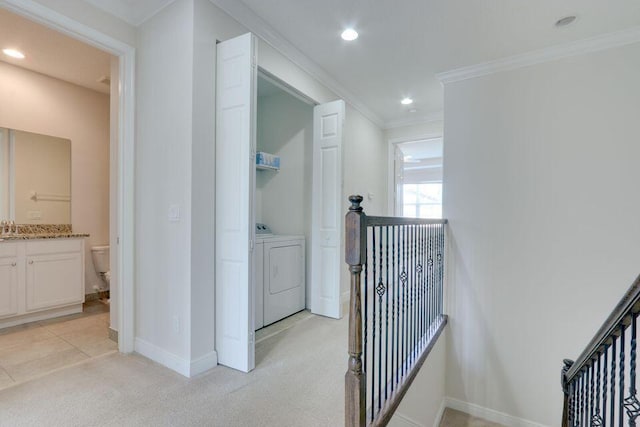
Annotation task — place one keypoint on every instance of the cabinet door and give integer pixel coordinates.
(8, 287)
(54, 280)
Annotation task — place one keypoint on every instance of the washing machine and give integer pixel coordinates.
(280, 283)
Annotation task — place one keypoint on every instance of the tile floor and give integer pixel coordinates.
(35, 349)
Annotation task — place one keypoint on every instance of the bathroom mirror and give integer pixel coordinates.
(35, 178)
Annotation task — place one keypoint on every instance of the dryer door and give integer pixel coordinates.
(284, 279)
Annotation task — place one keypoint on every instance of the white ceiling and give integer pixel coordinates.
(52, 53)
(134, 12)
(423, 149)
(403, 44)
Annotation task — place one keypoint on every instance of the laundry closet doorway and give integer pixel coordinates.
(260, 121)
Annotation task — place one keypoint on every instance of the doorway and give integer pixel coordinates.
(283, 199)
(415, 177)
(121, 153)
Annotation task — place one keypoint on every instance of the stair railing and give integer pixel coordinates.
(397, 270)
(600, 387)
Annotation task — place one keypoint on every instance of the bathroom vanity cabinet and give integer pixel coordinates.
(40, 279)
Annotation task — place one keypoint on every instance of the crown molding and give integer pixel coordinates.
(433, 117)
(254, 23)
(580, 47)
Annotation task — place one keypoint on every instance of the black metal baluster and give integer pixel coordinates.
(423, 309)
(379, 290)
(434, 276)
(581, 400)
(621, 399)
(365, 322)
(424, 321)
(631, 403)
(373, 328)
(394, 263)
(415, 295)
(404, 300)
(613, 382)
(597, 420)
(442, 249)
(605, 386)
(591, 389)
(396, 303)
(386, 320)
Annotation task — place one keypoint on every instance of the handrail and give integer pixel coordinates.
(595, 387)
(392, 220)
(402, 261)
(629, 304)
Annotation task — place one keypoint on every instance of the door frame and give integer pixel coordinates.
(124, 168)
(391, 175)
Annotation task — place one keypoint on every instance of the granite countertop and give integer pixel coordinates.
(33, 236)
(42, 231)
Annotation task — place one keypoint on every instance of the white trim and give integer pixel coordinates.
(254, 23)
(126, 53)
(443, 406)
(203, 364)
(434, 117)
(580, 47)
(391, 182)
(489, 414)
(401, 420)
(163, 357)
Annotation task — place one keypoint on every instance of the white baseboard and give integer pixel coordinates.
(182, 366)
(204, 363)
(489, 414)
(163, 357)
(438, 420)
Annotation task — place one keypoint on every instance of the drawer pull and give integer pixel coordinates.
(13, 264)
(31, 262)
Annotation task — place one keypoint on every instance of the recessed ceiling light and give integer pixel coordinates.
(13, 53)
(567, 20)
(349, 34)
(407, 101)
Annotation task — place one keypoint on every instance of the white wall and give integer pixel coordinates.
(423, 403)
(164, 94)
(541, 184)
(41, 104)
(364, 172)
(283, 198)
(285, 128)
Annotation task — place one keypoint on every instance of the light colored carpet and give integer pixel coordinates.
(453, 418)
(298, 381)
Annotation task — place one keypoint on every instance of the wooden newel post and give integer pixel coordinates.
(355, 381)
(565, 390)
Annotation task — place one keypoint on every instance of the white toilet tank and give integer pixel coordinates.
(100, 258)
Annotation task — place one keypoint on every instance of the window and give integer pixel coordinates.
(422, 200)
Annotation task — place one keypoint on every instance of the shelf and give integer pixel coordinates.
(267, 168)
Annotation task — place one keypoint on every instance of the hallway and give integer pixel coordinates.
(298, 381)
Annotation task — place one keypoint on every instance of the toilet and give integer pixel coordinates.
(101, 263)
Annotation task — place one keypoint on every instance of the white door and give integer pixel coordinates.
(235, 182)
(326, 217)
(398, 180)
